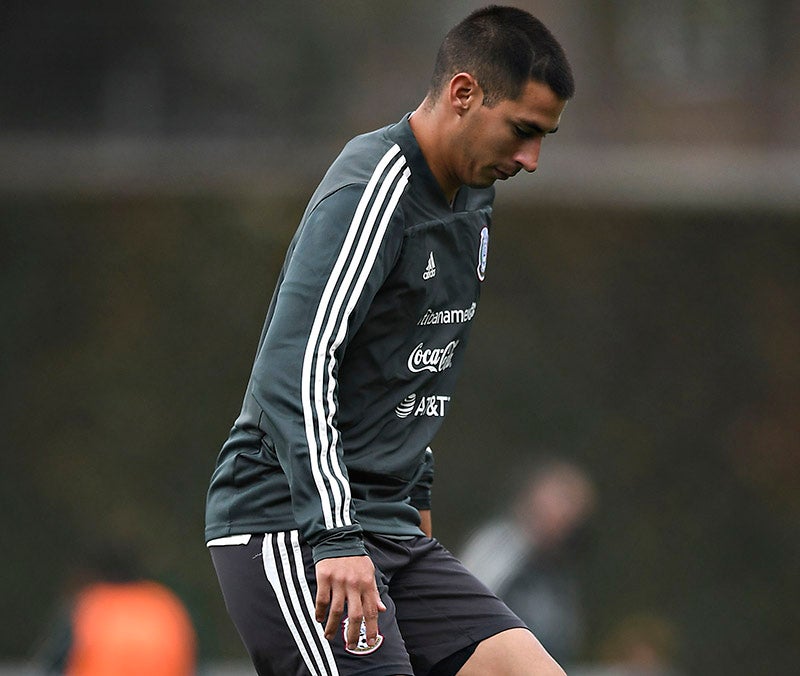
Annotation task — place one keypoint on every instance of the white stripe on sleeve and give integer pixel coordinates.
(355, 260)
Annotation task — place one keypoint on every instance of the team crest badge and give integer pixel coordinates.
(483, 252)
(361, 646)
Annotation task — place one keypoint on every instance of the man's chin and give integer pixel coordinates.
(483, 182)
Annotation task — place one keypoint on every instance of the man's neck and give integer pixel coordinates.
(431, 133)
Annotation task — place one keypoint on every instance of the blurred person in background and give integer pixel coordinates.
(527, 557)
(119, 623)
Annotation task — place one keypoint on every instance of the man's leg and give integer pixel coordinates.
(514, 652)
(269, 585)
(450, 621)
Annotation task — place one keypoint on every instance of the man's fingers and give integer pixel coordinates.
(322, 601)
(371, 621)
(371, 606)
(350, 581)
(354, 615)
(334, 615)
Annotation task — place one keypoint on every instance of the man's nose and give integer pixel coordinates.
(528, 154)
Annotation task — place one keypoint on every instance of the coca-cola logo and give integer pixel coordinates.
(433, 359)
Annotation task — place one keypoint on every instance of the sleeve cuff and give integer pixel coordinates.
(351, 544)
(421, 501)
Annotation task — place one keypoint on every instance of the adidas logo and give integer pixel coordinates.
(430, 269)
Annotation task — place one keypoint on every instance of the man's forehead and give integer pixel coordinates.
(537, 108)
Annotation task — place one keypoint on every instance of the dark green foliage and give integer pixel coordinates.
(660, 350)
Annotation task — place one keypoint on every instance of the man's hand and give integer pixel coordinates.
(348, 580)
(425, 522)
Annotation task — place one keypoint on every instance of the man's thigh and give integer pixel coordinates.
(441, 607)
(269, 586)
(515, 652)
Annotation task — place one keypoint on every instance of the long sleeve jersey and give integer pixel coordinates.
(360, 351)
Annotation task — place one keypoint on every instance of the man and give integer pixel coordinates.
(316, 505)
(528, 556)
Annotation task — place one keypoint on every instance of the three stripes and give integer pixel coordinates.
(341, 294)
(283, 565)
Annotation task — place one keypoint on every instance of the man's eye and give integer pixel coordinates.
(522, 133)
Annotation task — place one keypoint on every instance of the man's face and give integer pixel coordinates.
(495, 143)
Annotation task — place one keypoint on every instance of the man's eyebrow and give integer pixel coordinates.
(538, 128)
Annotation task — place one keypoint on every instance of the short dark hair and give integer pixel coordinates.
(503, 48)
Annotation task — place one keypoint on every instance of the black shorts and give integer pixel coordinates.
(435, 608)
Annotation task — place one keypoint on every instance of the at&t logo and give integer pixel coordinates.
(433, 406)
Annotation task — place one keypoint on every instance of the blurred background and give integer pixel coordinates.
(640, 318)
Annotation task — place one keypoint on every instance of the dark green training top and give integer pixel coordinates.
(359, 355)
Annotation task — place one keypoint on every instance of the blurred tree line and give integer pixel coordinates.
(659, 350)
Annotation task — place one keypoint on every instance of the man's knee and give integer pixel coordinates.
(515, 652)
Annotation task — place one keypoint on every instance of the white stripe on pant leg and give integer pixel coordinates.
(304, 601)
(273, 575)
(306, 594)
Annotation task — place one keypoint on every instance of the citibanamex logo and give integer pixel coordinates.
(435, 359)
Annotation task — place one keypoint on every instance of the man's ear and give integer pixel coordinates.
(464, 93)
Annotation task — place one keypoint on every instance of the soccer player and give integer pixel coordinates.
(318, 515)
